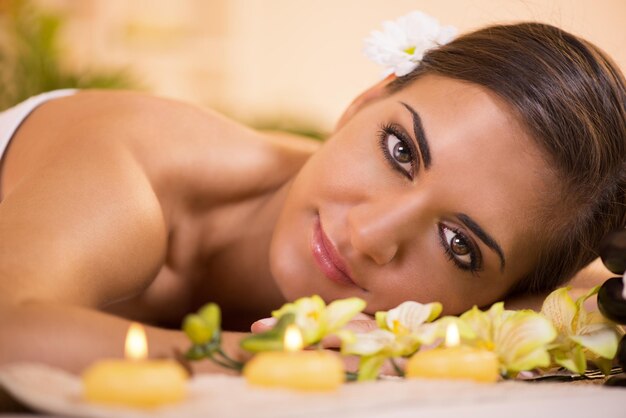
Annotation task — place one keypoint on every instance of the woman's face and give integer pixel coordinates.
(429, 194)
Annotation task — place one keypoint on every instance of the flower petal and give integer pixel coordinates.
(402, 43)
(573, 359)
(381, 319)
(480, 323)
(408, 316)
(368, 343)
(340, 312)
(310, 319)
(429, 333)
(560, 309)
(196, 329)
(521, 341)
(212, 316)
(531, 360)
(602, 342)
(369, 366)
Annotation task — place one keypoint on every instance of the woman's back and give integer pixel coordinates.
(139, 203)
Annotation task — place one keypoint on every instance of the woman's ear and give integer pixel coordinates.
(376, 91)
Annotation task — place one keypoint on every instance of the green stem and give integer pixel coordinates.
(397, 368)
(236, 365)
(221, 363)
(351, 376)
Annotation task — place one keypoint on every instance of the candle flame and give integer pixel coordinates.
(293, 338)
(136, 347)
(452, 335)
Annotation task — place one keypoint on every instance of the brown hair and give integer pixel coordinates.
(571, 98)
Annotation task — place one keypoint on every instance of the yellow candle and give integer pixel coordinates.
(135, 381)
(454, 362)
(294, 368)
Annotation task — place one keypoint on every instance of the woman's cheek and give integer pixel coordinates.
(352, 169)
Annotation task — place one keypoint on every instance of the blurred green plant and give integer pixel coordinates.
(31, 59)
(290, 125)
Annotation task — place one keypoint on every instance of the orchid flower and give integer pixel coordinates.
(399, 335)
(519, 338)
(582, 335)
(316, 320)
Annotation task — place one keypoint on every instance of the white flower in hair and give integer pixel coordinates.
(401, 45)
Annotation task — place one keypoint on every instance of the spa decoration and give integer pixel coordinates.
(491, 344)
(454, 361)
(135, 381)
(612, 293)
(313, 318)
(400, 334)
(401, 45)
(520, 339)
(205, 332)
(294, 368)
(611, 299)
(582, 336)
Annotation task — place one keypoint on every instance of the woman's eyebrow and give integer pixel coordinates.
(484, 236)
(420, 136)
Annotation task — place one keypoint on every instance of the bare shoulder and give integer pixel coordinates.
(80, 222)
(191, 146)
(92, 182)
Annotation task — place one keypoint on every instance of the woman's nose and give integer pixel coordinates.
(380, 229)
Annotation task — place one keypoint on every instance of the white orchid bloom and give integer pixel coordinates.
(316, 320)
(582, 335)
(519, 338)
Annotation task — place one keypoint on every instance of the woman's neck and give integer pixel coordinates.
(233, 237)
(242, 278)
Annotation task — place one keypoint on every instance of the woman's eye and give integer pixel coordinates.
(398, 151)
(459, 248)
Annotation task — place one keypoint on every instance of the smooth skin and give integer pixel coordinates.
(122, 207)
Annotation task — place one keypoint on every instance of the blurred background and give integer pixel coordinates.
(280, 64)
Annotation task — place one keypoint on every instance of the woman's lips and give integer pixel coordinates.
(327, 257)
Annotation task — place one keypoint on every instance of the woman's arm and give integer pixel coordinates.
(82, 231)
(73, 337)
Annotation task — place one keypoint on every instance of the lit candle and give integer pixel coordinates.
(293, 368)
(135, 381)
(454, 361)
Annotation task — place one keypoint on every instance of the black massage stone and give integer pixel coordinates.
(611, 301)
(613, 251)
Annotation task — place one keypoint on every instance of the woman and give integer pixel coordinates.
(492, 169)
